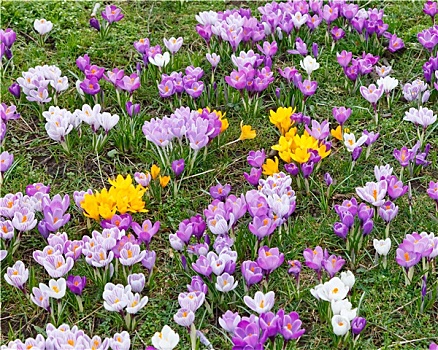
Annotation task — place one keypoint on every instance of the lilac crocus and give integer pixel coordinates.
(6, 160)
(137, 282)
(406, 258)
(319, 131)
(373, 193)
(178, 167)
(112, 14)
(313, 258)
(308, 87)
(358, 324)
(132, 109)
(40, 298)
(395, 187)
(76, 284)
(220, 192)
(269, 259)
(341, 114)
(256, 158)
(146, 231)
(372, 94)
(15, 90)
(432, 191)
(229, 321)
(251, 272)
(254, 176)
(337, 33)
(395, 43)
(333, 264)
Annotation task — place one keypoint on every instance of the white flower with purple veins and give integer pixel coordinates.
(261, 303)
(373, 192)
(244, 58)
(115, 296)
(299, 19)
(229, 321)
(137, 282)
(56, 288)
(41, 95)
(173, 45)
(107, 121)
(422, 116)
(225, 283)
(109, 237)
(184, 317)
(58, 128)
(3, 254)
(120, 341)
(383, 71)
(218, 225)
(207, 17)
(6, 229)
(40, 298)
(351, 143)
(191, 301)
(131, 254)
(56, 266)
(41, 256)
(135, 303)
(100, 257)
(24, 220)
(17, 275)
(279, 205)
(42, 26)
(60, 84)
(382, 172)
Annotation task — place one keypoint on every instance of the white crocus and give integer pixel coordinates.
(167, 339)
(42, 26)
(309, 64)
(341, 325)
(382, 246)
(389, 83)
(338, 305)
(56, 288)
(334, 289)
(348, 279)
(107, 121)
(160, 60)
(349, 314)
(225, 283)
(135, 303)
(299, 19)
(351, 143)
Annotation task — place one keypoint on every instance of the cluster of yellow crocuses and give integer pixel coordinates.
(292, 146)
(122, 197)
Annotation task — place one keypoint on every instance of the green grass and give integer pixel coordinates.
(394, 320)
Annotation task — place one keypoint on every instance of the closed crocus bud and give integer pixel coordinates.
(328, 179)
(178, 167)
(292, 169)
(356, 153)
(15, 90)
(340, 229)
(76, 284)
(367, 227)
(383, 246)
(358, 324)
(348, 279)
(277, 92)
(94, 23)
(137, 282)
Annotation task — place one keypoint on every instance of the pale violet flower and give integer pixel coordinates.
(121, 341)
(173, 45)
(382, 172)
(225, 283)
(382, 246)
(373, 192)
(167, 339)
(383, 71)
(309, 64)
(421, 116)
(135, 303)
(42, 26)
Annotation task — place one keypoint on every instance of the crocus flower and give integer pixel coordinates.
(395, 43)
(112, 14)
(184, 317)
(40, 299)
(372, 94)
(137, 282)
(42, 26)
(351, 143)
(167, 339)
(173, 45)
(229, 321)
(160, 60)
(17, 275)
(15, 90)
(308, 87)
(269, 259)
(313, 258)
(333, 264)
(290, 325)
(6, 160)
(341, 114)
(254, 176)
(94, 23)
(337, 33)
(261, 303)
(309, 64)
(430, 8)
(383, 246)
(406, 258)
(251, 272)
(388, 211)
(341, 325)
(373, 193)
(90, 86)
(120, 341)
(56, 288)
(76, 284)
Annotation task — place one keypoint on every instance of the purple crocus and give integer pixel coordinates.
(344, 58)
(83, 62)
(94, 23)
(358, 324)
(313, 259)
(254, 176)
(76, 284)
(256, 158)
(132, 109)
(290, 325)
(220, 192)
(6, 160)
(90, 86)
(432, 191)
(333, 264)
(269, 259)
(337, 33)
(395, 43)
(17, 275)
(112, 14)
(15, 90)
(308, 87)
(178, 167)
(341, 114)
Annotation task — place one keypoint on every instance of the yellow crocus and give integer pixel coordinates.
(281, 118)
(120, 182)
(322, 151)
(270, 167)
(337, 133)
(164, 180)
(300, 155)
(155, 171)
(247, 132)
(90, 206)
